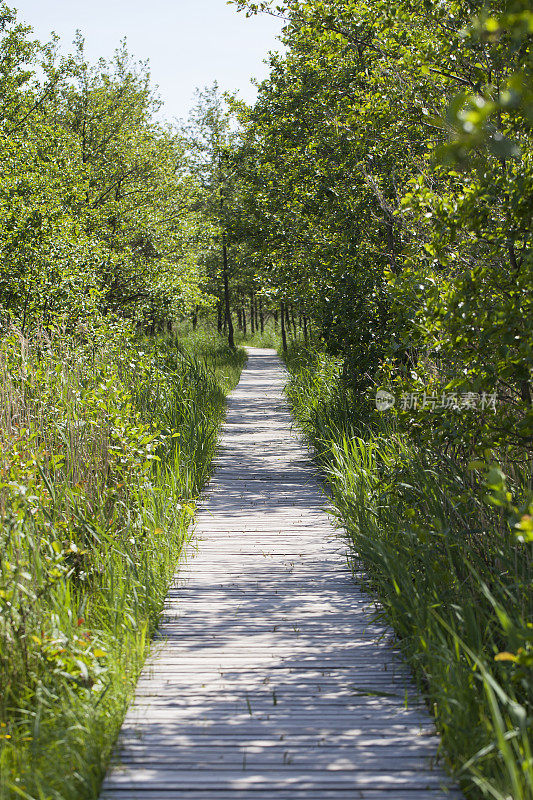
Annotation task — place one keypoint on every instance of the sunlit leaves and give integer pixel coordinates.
(96, 212)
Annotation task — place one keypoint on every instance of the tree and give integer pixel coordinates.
(96, 209)
(387, 190)
(210, 141)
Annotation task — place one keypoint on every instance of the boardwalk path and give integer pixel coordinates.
(270, 680)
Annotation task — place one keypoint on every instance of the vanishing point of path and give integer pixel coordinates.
(269, 680)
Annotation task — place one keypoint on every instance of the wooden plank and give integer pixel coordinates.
(225, 793)
(270, 676)
(368, 743)
(276, 779)
(285, 756)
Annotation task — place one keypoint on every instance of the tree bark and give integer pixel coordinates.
(287, 319)
(227, 307)
(283, 332)
(525, 392)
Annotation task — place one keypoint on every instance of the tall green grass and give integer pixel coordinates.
(106, 441)
(207, 327)
(271, 337)
(452, 577)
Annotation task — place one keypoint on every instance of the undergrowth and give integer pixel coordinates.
(446, 548)
(105, 441)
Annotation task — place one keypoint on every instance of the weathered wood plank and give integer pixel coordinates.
(276, 779)
(270, 676)
(230, 793)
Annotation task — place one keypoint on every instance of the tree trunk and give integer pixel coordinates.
(252, 317)
(219, 317)
(287, 319)
(283, 332)
(227, 307)
(306, 334)
(391, 243)
(261, 316)
(525, 392)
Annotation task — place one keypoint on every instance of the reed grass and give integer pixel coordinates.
(449, 574)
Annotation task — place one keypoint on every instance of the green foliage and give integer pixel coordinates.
(385, 180)
(377, 199)
(96, 206)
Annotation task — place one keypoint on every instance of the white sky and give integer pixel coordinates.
(189, 43)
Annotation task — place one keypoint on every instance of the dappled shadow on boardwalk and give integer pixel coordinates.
(270, 676)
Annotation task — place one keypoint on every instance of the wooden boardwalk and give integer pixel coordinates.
(270, 679)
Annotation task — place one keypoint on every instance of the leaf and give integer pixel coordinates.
(505, 657)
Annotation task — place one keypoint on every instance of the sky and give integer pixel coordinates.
(189, 43)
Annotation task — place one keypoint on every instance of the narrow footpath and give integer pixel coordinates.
(269, 679)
